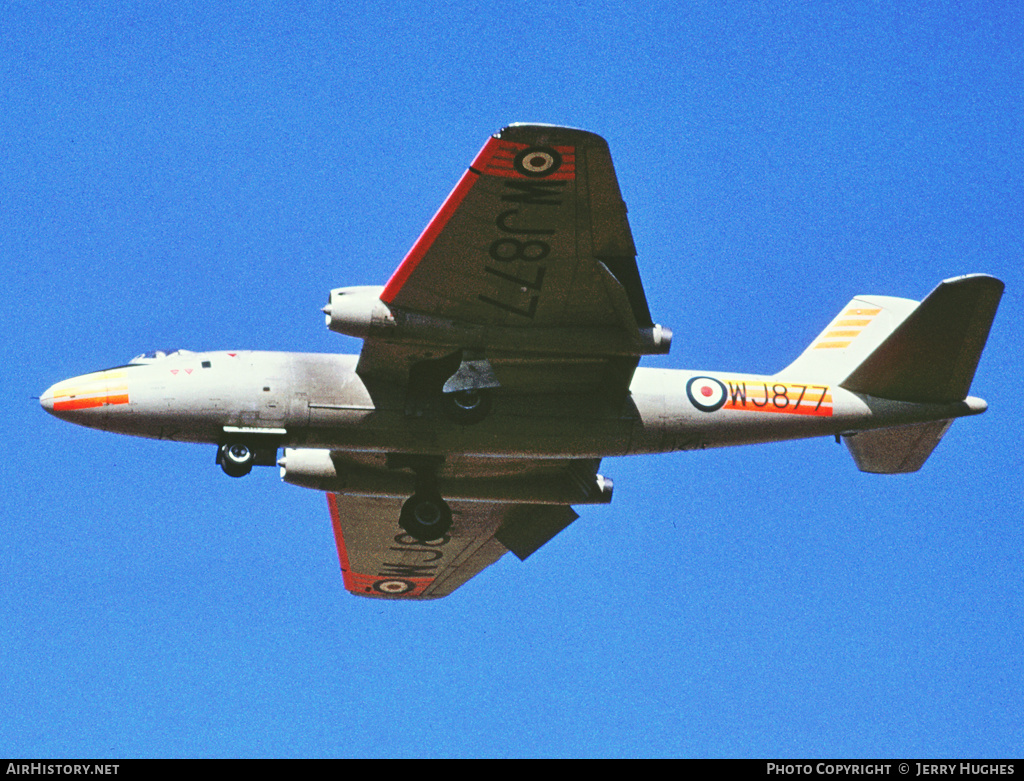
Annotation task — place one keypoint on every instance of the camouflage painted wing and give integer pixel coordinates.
(530, 262)
(523, 237)
(497, 506)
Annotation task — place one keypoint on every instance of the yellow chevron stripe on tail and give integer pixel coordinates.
(853, 334)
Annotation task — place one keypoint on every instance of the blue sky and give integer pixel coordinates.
(201, 175)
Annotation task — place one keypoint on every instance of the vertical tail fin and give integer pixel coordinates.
(933, 354)
(894, 348)
(860, 327)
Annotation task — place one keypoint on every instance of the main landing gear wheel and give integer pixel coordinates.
(468, 406)
(237, 460)
(426, 517)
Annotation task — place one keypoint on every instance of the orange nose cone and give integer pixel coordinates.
(70, 398)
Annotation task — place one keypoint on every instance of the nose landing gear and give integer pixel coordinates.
(236, 459)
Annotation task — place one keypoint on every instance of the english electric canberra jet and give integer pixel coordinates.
(499, 366)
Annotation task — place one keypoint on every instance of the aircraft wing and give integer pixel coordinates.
(525, 282)
(530, 263)
(379, 559)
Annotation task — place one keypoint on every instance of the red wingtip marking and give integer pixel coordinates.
(436, 225)
(361, 583)
(502, 162)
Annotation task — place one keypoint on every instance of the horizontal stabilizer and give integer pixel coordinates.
(933, 354)
(890, 451)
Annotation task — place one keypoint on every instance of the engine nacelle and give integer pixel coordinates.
(356, 310)
(656, 340)
(317, 469)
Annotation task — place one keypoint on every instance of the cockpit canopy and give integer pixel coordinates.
(156, 355)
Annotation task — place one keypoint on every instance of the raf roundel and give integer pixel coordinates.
(538, 161)
(393, 586)
(706, 393)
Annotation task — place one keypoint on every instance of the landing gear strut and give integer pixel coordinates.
(425, 515)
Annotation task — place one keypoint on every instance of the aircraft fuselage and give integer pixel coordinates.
(319, 401)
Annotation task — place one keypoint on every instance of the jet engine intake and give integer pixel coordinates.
(356, 310)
